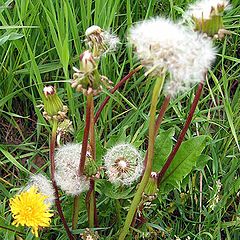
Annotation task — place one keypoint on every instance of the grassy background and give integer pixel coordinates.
(40, 41)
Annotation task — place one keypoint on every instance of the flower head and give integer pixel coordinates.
(124, 164)
(100, 41)
(67, 159)
(29, 209)
(207, 16)
(43, 186)
(162, 46)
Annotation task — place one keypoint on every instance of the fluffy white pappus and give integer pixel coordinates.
(103, 40)
(67, 159)
(162, 45)
(44, 187)
(124, 164)
(202, 9)
(110, 40)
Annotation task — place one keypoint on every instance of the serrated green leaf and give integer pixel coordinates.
(162, 148)
(183, 163)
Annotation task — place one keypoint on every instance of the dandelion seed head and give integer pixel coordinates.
(67, 159)
(204, 9)
(29, 209)
(162, 46)
(101, 41)
(124, 164)
(44, 186)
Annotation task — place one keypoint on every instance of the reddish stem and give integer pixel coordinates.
(90, 198)
(85, 135)
(57, 201)
(118, 85)
(182, 134)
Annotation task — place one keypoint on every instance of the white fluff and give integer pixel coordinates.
(44, 187)
(202, 9)
(162, 45)
(124, 164)
(67, 159)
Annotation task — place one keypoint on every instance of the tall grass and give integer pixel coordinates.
(44, 41)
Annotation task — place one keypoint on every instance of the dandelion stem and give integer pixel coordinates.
(159, 121)
(92, 211)
(137, 198)
(82, 158)
(57, 201)
(118, 85)
(182, 134)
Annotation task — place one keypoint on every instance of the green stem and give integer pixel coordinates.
(75, 211)
(137, 198)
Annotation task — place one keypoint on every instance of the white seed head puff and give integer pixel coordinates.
(67, 159)
(162, 45)
(124, 164)
(44, 187)
(202, 9)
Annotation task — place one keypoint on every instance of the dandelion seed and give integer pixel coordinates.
(29, 209)
(43, 186)
(164, 46)
(67, 159)
(124, 164)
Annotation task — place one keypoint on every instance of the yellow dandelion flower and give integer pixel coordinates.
(29, 209)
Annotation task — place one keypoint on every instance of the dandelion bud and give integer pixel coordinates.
(100, 41)
(151, 190)
(87, 62)
(91, 168)
(67, 160)
(53, 106)
(207, 16)
(124, 164)
(43, 186)
(87, 79)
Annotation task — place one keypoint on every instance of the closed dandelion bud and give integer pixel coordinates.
(100, 41)
(43, 186)
(87, 63)
(67, 160)
(124, 164)
(151, 190)
(53, 106)
(207, 16)
(87, 79)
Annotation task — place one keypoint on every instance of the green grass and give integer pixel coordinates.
(47, 38)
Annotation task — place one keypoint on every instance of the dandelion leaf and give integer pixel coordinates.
(162, 148)
(183, 163)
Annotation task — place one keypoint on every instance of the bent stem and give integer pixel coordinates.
(138, 195)
(182, 134)
(57, 201)
(82, 158)
(118, 85)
